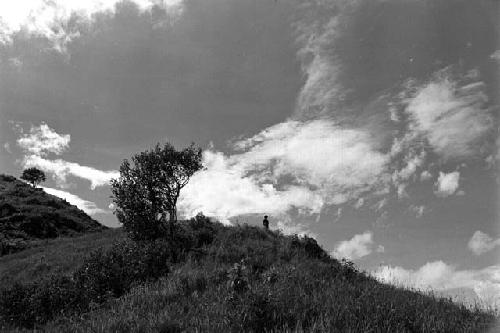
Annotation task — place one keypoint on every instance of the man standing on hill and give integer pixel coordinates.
(265, 222)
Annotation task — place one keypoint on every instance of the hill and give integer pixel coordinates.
(29, 215)
(214, 278)
(62, 256)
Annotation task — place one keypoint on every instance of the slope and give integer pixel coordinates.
(28, 215)
(213, 278)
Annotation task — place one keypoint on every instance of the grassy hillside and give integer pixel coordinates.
(212, 278)
(53, 256)
(28, 215)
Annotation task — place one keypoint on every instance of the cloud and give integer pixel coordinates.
(42, 140)
(316, 152)
(495, 55)
(62, 169)
(224, 190)
(6, 146)
(357, 247)
(425, 175)
(447, 184)
(324, 153)
(481, 243)
(451, 113)
(302, 165)
(317, 32)
(88, 207)
(287, 226)
(438, 275)
(411, 167)
(51, 19)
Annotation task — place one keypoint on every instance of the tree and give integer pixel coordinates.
(33, 176)
(149, 187)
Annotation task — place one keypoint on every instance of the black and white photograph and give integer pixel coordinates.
(249, 166)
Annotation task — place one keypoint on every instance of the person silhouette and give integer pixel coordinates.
(265, 222)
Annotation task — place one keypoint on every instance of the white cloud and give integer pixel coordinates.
(447, 183)
(289, 228)
(321, 162)
(49, 18)
(357, 247)
(224, 190)
(317, 152)
(425, 175)
(438, 275)
(317, 32)
(88, 207)
(452, 115)
(62, 169)
(411, 166)
(481, 243)
(6, 146)
(495, 55)
(42, 140)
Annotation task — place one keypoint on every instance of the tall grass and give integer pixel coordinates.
(53, 256)
(234, 279)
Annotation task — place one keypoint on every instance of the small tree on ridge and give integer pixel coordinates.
(33, 176)
(149, 187)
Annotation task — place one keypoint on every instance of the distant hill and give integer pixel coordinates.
(28, 215)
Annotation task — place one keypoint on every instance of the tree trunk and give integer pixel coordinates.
(173, 218)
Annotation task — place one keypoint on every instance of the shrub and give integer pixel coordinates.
(112, 273)
(102, 276)
(29, 304)
(7, 178)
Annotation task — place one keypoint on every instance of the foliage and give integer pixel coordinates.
(149, 186)
(28, 215)
(213, 278)
(102, 276)
(33, 176)
(61, 256)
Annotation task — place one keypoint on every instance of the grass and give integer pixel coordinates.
(234, 279)
(303, 298)
(53, 256)
(29, 215)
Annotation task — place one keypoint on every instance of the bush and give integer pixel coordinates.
(7, 178)
(112, 273)
(29, 304)
(102, 276)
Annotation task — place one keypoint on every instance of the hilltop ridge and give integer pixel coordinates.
(28, 215)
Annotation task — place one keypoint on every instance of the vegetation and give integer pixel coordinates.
(148, 189)
(197, 276)
(61, 256)
(213, 278)
(33, 176)
(29, 215)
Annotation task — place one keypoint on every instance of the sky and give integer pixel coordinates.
(369, 125)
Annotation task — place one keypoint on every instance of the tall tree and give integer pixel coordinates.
(33, 176)
(149, 187)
